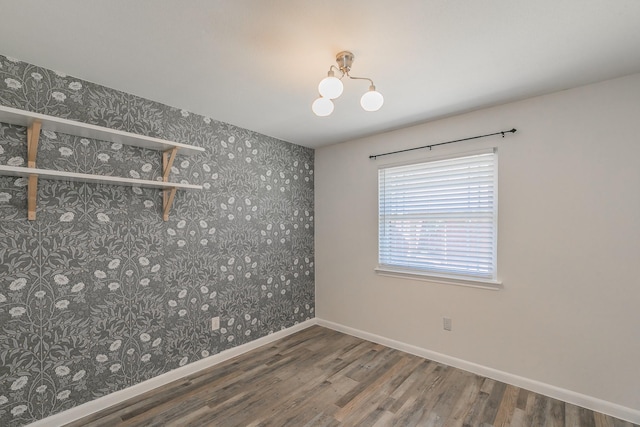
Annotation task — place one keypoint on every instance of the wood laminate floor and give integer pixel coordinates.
(320, 377)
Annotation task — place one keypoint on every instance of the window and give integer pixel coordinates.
(439, 218)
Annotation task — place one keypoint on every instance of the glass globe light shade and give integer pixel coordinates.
(322, 107)
(372, 100)
(330, 87)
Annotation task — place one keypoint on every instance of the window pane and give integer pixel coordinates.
(440, 216)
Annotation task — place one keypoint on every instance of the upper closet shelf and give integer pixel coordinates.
(15, 116)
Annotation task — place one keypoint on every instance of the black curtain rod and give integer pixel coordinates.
(375, 156)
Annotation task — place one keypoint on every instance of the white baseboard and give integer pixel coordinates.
(119, 396)
(589, 402)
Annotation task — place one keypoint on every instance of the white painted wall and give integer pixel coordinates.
(568, 251)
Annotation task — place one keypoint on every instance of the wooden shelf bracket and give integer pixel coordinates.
(168, 157)
(33, 137)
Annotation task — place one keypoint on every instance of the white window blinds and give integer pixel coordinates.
(439, 217)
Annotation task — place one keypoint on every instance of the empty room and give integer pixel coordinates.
(331, 213)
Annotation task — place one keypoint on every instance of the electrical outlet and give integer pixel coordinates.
(446, 323)
(215, 323)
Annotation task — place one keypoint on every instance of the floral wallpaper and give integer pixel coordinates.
(98, 293)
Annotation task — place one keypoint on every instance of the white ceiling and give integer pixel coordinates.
(257, 63)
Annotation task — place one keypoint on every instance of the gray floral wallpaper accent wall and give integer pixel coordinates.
(99, 293)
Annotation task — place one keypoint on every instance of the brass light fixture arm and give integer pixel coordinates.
(344, 60)
(371, 87)
(330, 73)
(333, 67)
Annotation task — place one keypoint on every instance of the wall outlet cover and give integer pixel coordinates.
(215, 323)
(446, 323)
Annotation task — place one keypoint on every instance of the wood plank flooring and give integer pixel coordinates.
(320, 377)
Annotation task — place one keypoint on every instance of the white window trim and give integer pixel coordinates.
(480, 283)
(494, 285)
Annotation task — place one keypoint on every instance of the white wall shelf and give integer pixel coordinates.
(18, 117)
(35, 122)
(96, 179)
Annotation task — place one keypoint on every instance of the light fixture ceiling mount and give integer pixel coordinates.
(345, 60)
(331, 87)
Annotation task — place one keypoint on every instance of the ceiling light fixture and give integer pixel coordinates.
(331, 87)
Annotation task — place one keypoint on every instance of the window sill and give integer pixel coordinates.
(493, 285)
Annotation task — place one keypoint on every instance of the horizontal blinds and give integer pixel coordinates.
(440, 216)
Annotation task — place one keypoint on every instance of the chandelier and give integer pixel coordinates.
(331, 88)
